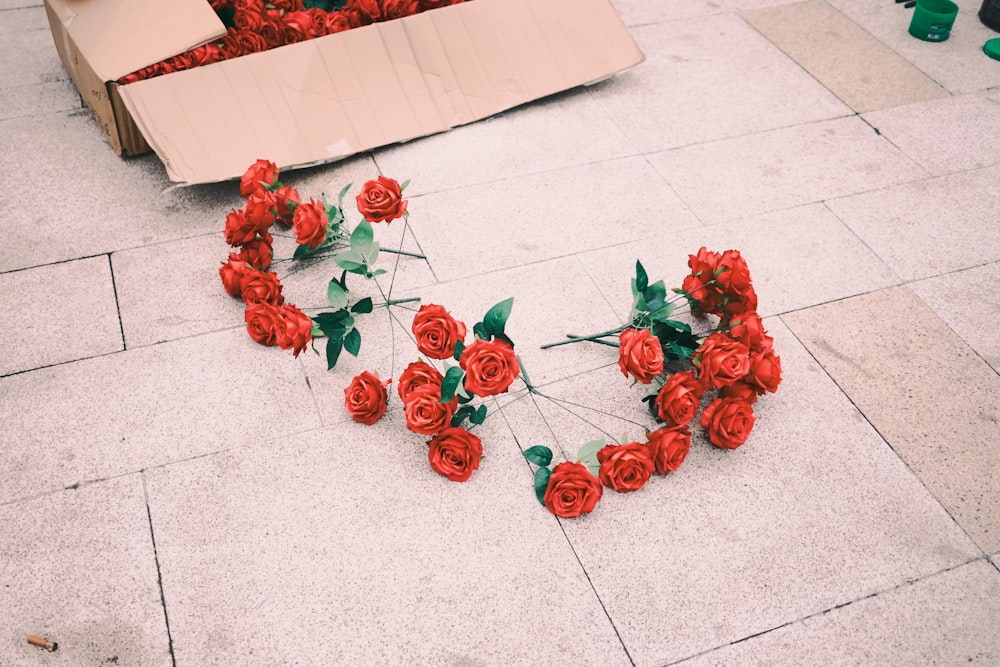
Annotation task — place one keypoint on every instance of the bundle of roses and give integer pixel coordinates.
(436, 404)
(736, 360)
(318, 226)
(256, 25)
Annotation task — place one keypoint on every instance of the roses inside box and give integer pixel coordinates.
(327, 98)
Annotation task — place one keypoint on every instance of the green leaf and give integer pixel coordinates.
(663, 314)
(496, 317)
(336, 295)
(479, 416)
(340, 197)
(333, 347)
(352, 342)
(542, 483)
(461, 415)
(459, 347)
(641, 278)
(480, 331)
(362, 238)
(587, 455)
(402, 186)
(328, 321)
(450, 383)
(301, 251)
(655, 295)
(349, 260)
(363, 306)
(540, 455)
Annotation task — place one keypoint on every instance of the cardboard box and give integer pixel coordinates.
(325, 99)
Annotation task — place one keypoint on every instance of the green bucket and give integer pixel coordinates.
(932, 20)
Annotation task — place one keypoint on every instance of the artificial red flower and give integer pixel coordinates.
(490, 367)
(310, 223)
(625, 467)
(436, 331)
(258, 286)
(572, 490)
(668, 447)
(232, 273)
(721, 361)
(455, 453)
(258, 252)
(296, 329)
(765, 371)
(728, 422)
(259, 209)
(366, 398)
(424, 411)
(679, 399)
(261, 174)
(747, 328)
(263, 322)
(416, 375)
(640, 354)
(381, 200)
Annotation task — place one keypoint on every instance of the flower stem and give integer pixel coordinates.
(591, 337)
(596, 340)
(404, 252)
(396, 302)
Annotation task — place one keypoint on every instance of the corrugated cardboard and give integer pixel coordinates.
(328, 98)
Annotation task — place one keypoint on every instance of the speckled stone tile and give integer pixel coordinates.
(555, 133)
(956, 625)
(815, 510)
(930, 396)
(782, 169)
(969, 301)
(797, 257)
(710, 78)
(929, 227)
(58, 313)
(77, 567)
(856, 67)
(945, 136)
(124, 412)
(519, 221)
(28, 54)
(382, 561)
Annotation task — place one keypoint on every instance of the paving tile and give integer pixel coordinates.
(58, 313)
(100, 202)
(784, 168)
(856, 67)
(958, 64)
(956, 625)
(945, 136)
(16, 4)
(26, 100)
(514, 222)
(78, 568)
(969, 302)
(22, 19)
(29, 56)
(928, 227)
(813, 511)
(710, 78)
(639, 12)
(929, 395)
(382, 560)
(557, 132)
(798, 257)
(124, 412)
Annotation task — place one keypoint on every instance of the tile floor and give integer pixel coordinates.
(173, 494)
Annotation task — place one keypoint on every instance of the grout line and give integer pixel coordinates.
(159, 574)
(118, 307)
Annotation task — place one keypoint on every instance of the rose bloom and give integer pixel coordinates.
(434, 4)
(263, 322)
(740, 389)
(668, 447)
(258, 252)
(572, 490)
(249, 42)
(436, 331)
(317, 19)
(679, 398)
(747, 328)
(231, 273)
(418, 374)
(721, 361)
(239, 230)
(247, 21)
(381, 200)
(640, 355)
(259, 209)
(698, 283)
(272, 29)
(258, 286)
(296, 329)
(366, 398)
(728, 422)
(286, 198)
(765, 371)
(735, 275)
(295, 27)
(490, 367)
(425, 414)
(625, 467)
(310, 223)
(455, 453)
(261, 174)
(337, 22)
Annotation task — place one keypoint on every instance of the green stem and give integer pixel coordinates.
(591, 337)
(598, 341)
(396, 302)
(404, 252)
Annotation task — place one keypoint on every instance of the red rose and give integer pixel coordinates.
(258, 287)
(337, 22)
(669, 447)
(263, 322)
(366, 398)
(679, 398)
(747, 328)
(381, 200)
(734, 278)
(249, 5)
(296, 26)
(272, 30)
(765, 371)
(296, 329)
(259, 209)
(434, 4)
(625, 467)
(436, 331)
(371, 9)
(239, 230)
(286, 198)
(317, 20)
(206, 54)
(310, 223)
(640, 355)
(740, 389)
(455, 453)
(416, 375)
(699, 284)
(490, 367)
(249, 42)
(232, 273)
(425, 414)
(356, 17)
(397, 9)
(261, 174)
(287, 5)
(572, 490)
(258, 252)
(721, 361)
(728, 422)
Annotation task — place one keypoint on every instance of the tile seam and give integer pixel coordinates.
(159, 574)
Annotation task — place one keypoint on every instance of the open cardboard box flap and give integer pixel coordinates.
(328, 98)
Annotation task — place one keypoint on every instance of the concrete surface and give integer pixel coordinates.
(173, 494)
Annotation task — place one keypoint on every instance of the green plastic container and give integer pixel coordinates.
(932, 20)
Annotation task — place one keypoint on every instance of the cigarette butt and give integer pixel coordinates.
(42, 642)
